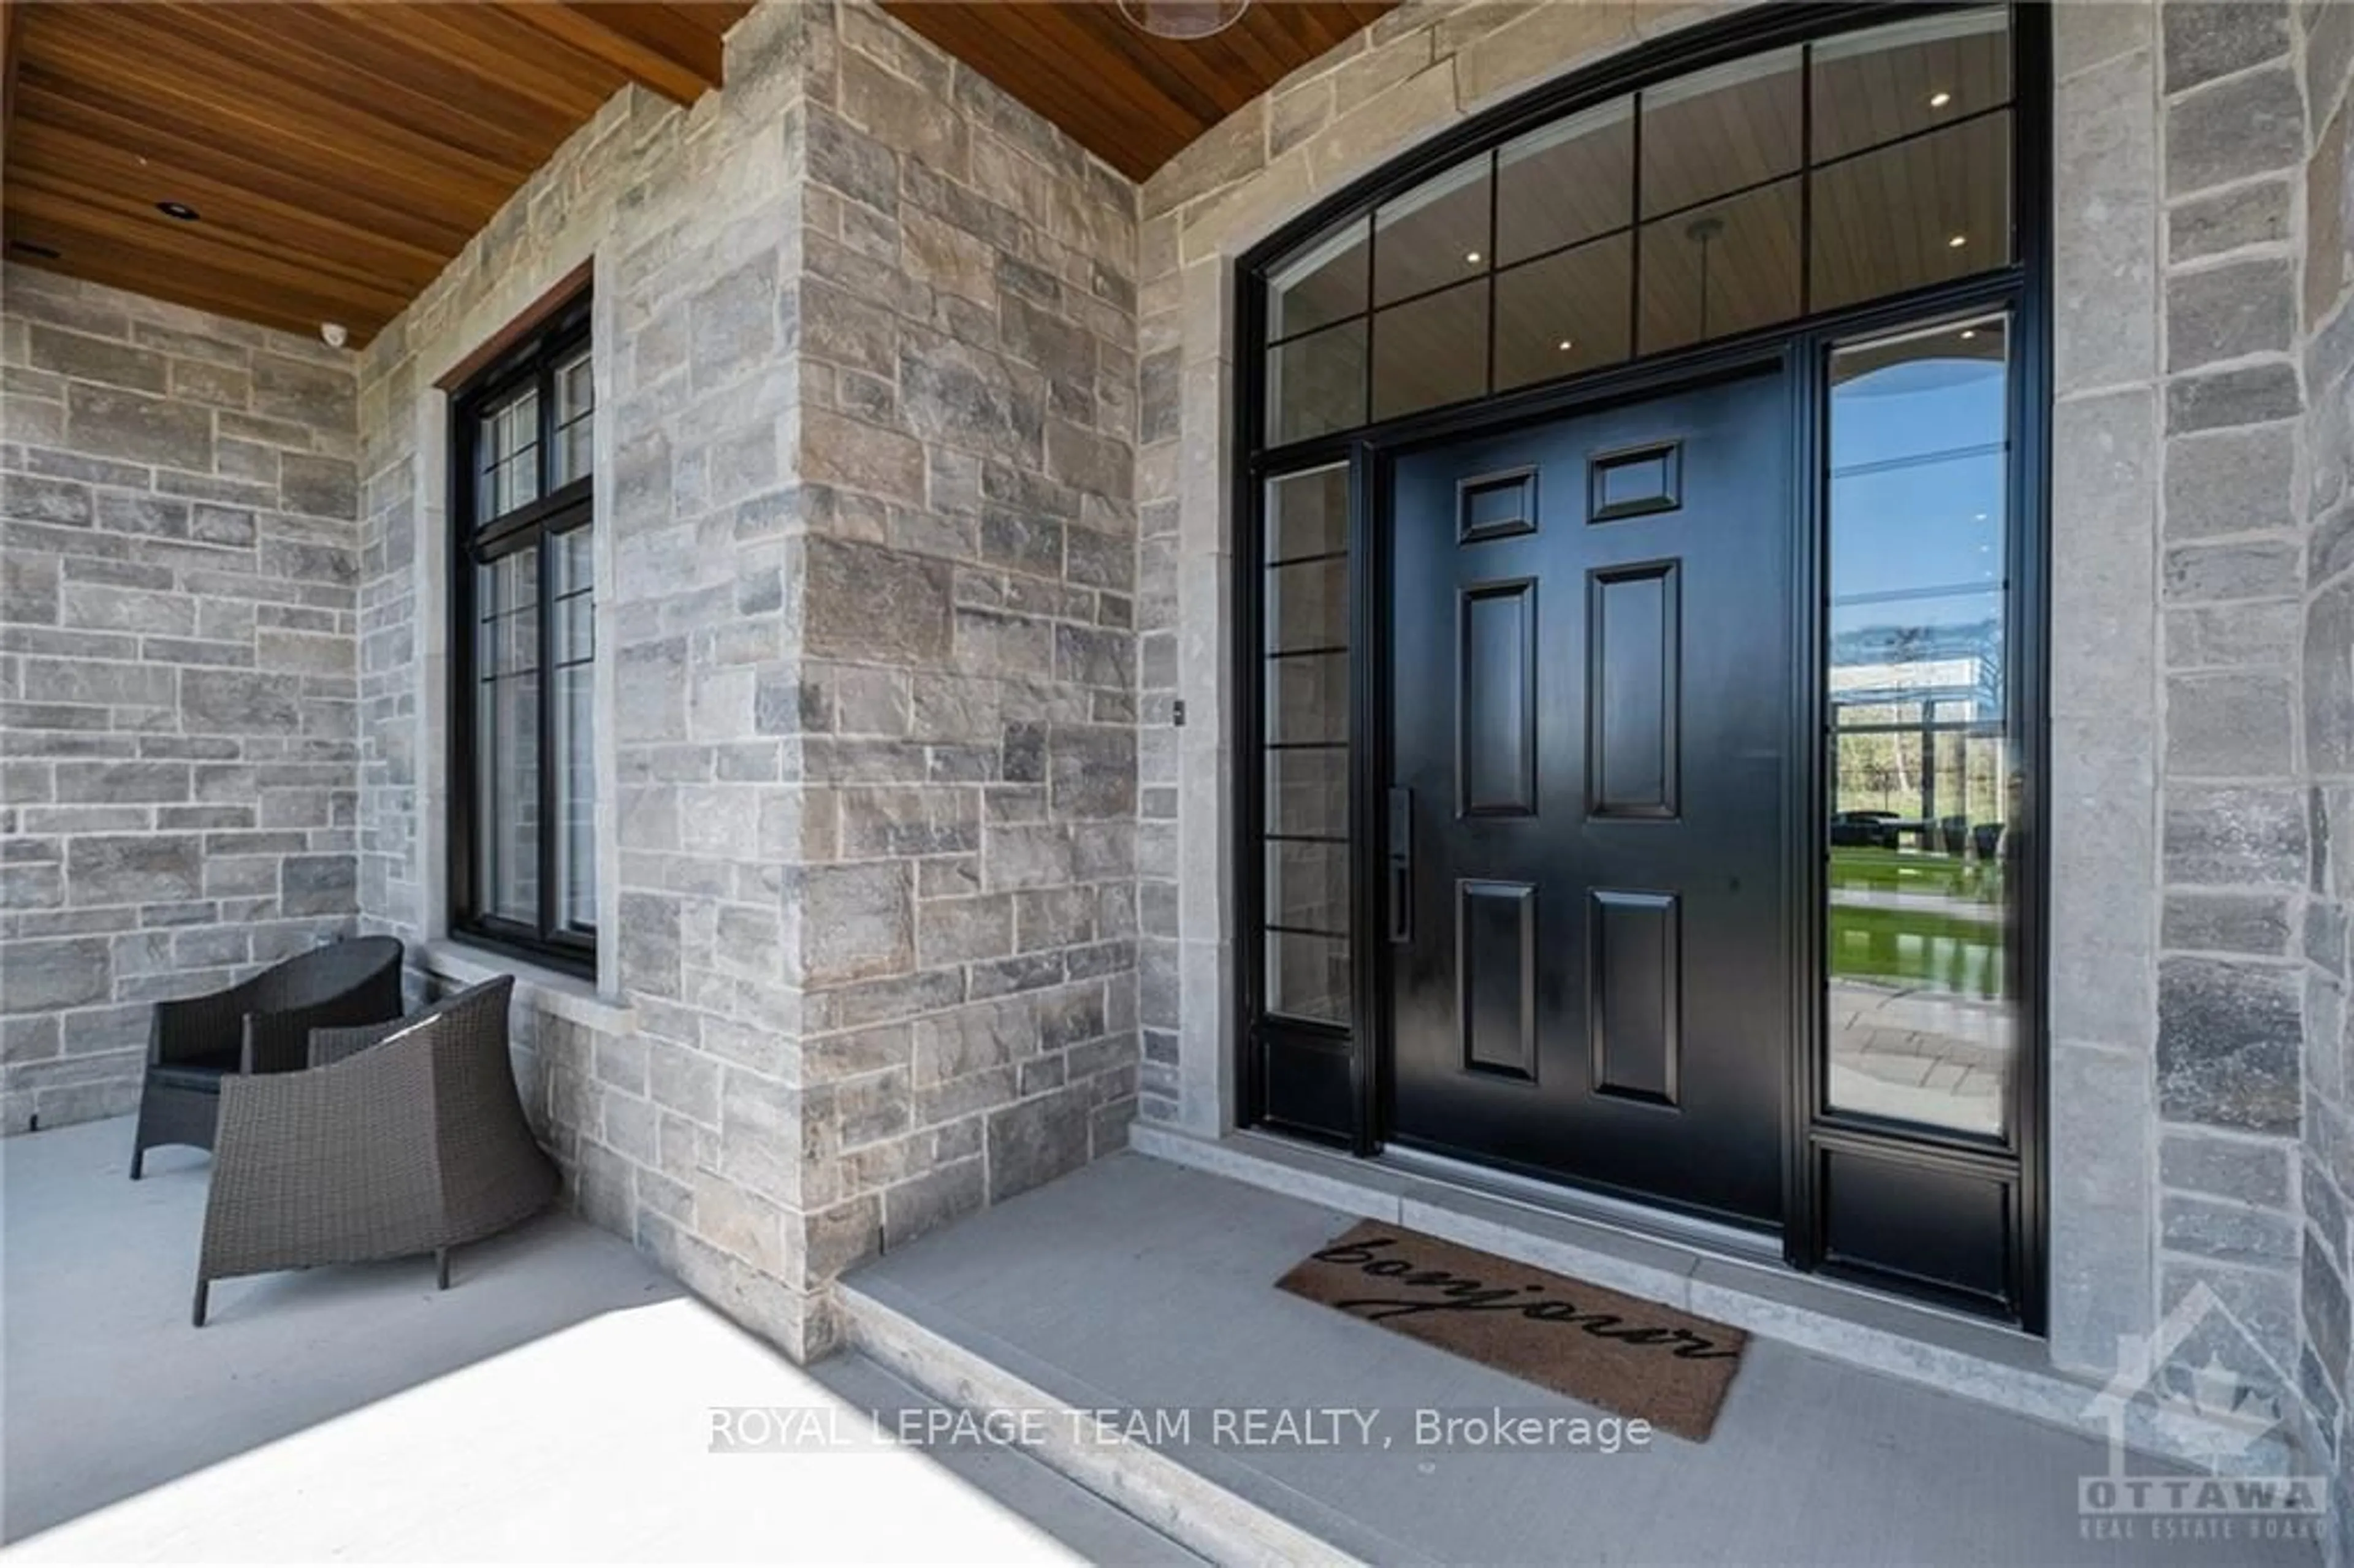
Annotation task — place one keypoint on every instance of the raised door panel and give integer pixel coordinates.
(1635, 988)
(1633, 701)
(1496, 957)
(1496, 701)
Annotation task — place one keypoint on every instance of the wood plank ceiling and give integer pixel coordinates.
(338, 154)
(1133, 100)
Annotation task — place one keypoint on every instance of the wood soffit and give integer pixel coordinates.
(338, 154)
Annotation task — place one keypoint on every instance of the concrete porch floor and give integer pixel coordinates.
(1139, 1284)
(552, 1405)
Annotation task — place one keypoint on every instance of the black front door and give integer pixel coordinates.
(1588, 829)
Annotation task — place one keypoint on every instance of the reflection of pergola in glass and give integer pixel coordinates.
(1941, 684)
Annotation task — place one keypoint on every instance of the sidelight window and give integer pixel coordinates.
(523, 728)
(1304, 708)
(1923, 837)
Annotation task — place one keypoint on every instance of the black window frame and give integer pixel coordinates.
(475, 542)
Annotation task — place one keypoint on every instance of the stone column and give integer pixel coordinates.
(962, 714)
(690, 1131)
(2099, 802)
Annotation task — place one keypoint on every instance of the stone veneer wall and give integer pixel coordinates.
(2233, 833)
(2326, 1161)
(177, 715)
(865, 385)
(966, 700)
(663, 1088)
(2247, 378)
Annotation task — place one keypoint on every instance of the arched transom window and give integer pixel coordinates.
(1738, 198)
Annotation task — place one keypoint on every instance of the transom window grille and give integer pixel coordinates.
(1731, 200)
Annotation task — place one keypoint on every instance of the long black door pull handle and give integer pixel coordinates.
(1401, 864)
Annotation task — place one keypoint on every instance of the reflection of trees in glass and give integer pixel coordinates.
(1872, 774)
(1884, 770)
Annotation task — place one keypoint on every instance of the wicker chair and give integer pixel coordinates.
(398, 1139)
(261, 1026)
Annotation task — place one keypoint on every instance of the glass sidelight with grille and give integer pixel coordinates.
(1304, 676)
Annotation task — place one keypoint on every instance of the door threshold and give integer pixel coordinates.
(1965, 1357)
(1574, 1203)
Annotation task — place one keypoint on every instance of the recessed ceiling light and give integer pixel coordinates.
(1940, 99)
(1472, 257)
(1968, 333)
(1957, 241)
(177, 209)
(34, 248)
(1565, 345)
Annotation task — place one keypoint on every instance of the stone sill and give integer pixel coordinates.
(549, 991)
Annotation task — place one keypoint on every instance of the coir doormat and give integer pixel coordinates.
(1635, 1358)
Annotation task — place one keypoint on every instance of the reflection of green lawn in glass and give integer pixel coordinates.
(1953, 947)
(1900, 946)
(1893, 871)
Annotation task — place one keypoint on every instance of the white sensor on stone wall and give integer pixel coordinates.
(334, 332)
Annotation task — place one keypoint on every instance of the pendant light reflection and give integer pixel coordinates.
(1182, 19)
(1700, 231)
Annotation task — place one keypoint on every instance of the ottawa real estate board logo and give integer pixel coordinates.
(2201, 1386)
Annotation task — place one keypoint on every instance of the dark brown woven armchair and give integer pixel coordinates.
(398, 1139)
(262, 1025)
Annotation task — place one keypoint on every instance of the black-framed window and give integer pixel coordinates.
(522, 863)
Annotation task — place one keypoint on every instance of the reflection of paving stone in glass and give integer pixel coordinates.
(1921, 1055)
